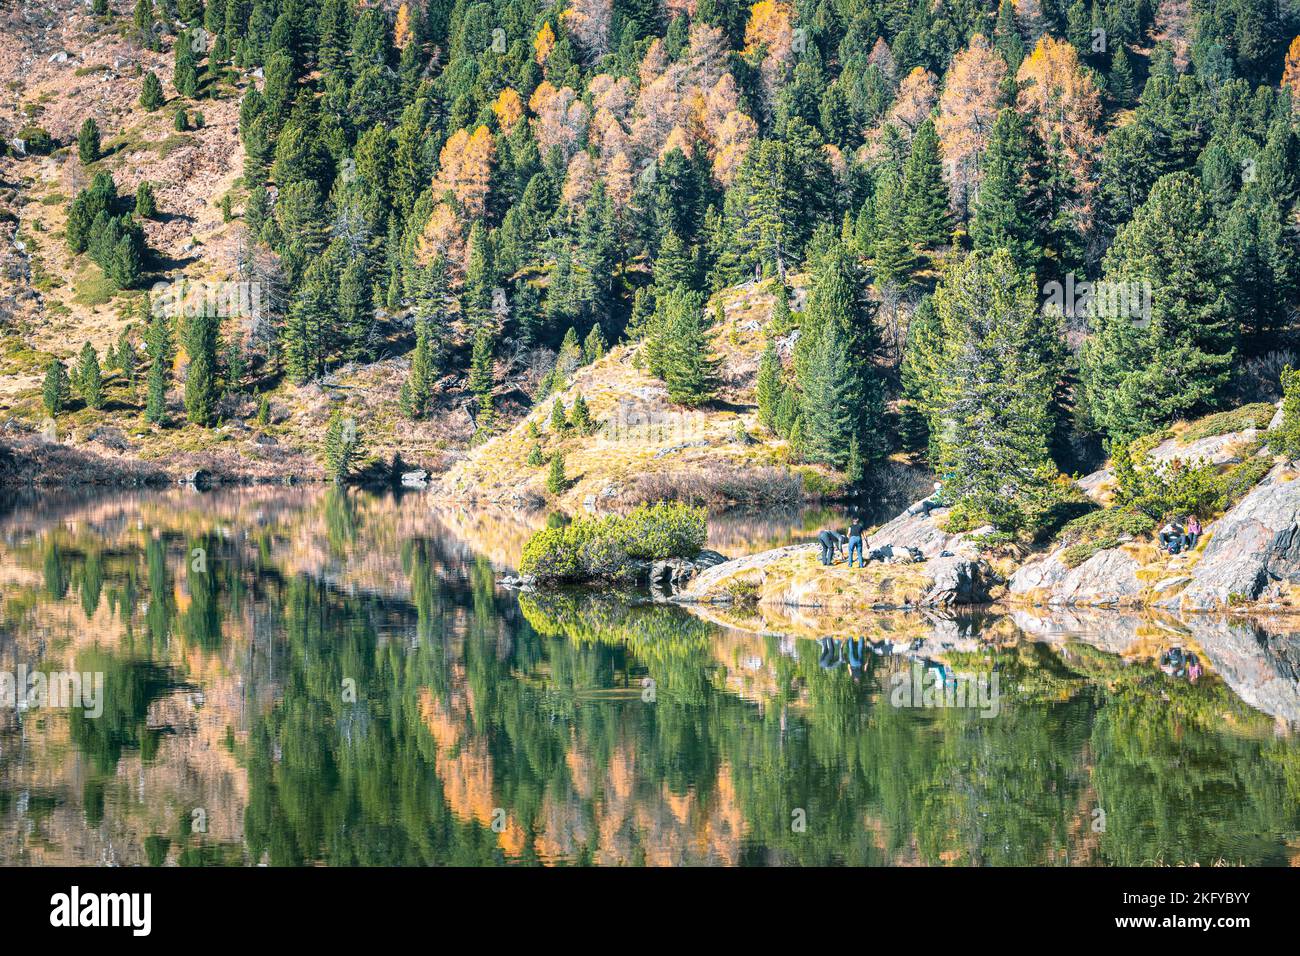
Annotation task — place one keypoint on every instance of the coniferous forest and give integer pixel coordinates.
(1002, 238)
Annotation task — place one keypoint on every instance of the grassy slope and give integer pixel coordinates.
(643, 443)
(62, 300)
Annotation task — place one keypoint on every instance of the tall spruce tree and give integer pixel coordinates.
(893, 258)
(201, 345)
(996, 380)
(1004, 217)
(55, 390)
(1141, 369)
(768, 386)
(689, 365)
(89, 378)
(159, 344)
(925, 195)
(843, 390)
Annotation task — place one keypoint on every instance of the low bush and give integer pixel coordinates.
(1285, 439)
(1257, 415)
(1178, 488)
(1100, 530)
(593, 549)
(720, 487)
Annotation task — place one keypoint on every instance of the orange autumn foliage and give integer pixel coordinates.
(508, 108)
(967, 109)
(916, 96)
(465, 170)
(1065, 104)
(402, 27)
(543, 43)
(1291, 71)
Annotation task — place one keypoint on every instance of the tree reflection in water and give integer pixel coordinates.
(339, 680)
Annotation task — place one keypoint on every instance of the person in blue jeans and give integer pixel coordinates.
(857, 535)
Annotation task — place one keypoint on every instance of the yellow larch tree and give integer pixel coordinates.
(1064, 103)
(543, 43)
(967, 109)
(1291, 71)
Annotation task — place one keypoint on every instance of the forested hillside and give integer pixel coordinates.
(1030, 229)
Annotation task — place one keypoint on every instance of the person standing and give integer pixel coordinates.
(857, 535)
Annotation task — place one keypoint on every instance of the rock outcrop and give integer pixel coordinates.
(1212, 450)
(1106, 578)
(672, 574)
(923, 533)
(794, 576)
(1253, 551)
(1250, 556)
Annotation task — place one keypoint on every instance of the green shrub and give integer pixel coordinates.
(1177, 488)
(742, 590)
(590, 549)
(1100, 530)
(1239, 479)
(1257, 415)
(1285, 439)
(36, 140)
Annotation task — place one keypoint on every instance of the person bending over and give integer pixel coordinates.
(831, 542)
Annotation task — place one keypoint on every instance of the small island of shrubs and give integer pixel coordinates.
(615, 548)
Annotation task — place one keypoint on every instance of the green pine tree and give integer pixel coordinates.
(581, 416)
(997, 378)
(341, 444)
(201, 334)
(151, 92)
(557, 482)
(1004, 217)
(88, 141)
(89, 378)
(159, 345)
(185, 75)
(689, 366)
(146, 207)
(594, 347)
(1120, 82)
(56, 388)
(768, 386)
(894, 259)
(925, 195)
(1157, 357)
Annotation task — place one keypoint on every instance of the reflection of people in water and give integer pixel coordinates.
(834, 652)
(830, 655)
(1179, 663)
(857, 656)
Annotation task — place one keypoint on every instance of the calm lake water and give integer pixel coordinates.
(299, 676)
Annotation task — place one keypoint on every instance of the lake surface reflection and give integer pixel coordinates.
(301, 675)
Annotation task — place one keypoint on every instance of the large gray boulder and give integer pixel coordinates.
(1106, 578)
(921, 532)
(674, 573)
(1256, 544)
(959, 580)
